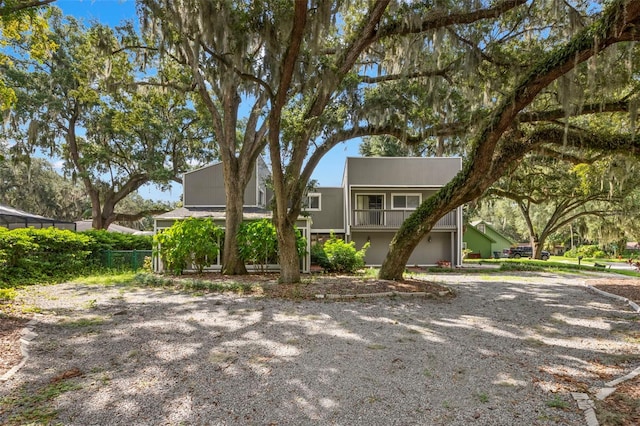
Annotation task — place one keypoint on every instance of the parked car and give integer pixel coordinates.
(524, 251)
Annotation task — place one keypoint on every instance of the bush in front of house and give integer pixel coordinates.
(258, 243)
(340, 256)
(188, 242)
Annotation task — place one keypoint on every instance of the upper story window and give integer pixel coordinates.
(405, 201)
(312, 201)
(261, 198)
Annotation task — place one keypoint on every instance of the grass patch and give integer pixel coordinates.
(191, 284)
(84, 322)
(532, 341)
(30, 309)
(557, 402)
(482, 397)
(116, 278)
(376, 346)
(518, 266)
(26, 407)
(8, 293)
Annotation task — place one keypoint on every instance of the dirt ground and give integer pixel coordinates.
(624, 400)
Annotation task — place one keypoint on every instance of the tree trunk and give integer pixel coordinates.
(232, 264)
(288, 254)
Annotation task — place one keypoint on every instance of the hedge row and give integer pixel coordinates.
(29, 255)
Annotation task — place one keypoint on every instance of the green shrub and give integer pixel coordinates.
(103, 240)
(189, 242)
(318, 256)
(29, 255)
(258, 243)
(340, 256)
(588, 251)
(517, 266)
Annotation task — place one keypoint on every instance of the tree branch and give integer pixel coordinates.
(23, 5)
(132, 217)
(439, 19)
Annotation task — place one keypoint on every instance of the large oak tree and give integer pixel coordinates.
(116, 125)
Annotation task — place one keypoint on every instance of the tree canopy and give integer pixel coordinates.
(107, 113)
(20, 18)
(555, 192)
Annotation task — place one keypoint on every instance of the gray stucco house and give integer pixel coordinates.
(376, 195)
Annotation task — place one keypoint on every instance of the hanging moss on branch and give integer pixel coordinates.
(619, 23)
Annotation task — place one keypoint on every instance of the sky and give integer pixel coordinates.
(112, 12)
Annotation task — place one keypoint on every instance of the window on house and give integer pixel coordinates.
(261, 197)
(312, 202)
(369, 209)
(405, 201)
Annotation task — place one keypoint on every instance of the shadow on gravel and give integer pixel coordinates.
(502, 352)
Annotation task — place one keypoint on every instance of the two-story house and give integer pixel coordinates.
(377, 194)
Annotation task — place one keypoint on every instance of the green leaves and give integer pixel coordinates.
(189, 242)
(30, 255)
(336, 255)
(258, 243)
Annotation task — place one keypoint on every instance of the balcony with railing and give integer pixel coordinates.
(392, 219)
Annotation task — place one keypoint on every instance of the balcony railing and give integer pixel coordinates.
(377, 218)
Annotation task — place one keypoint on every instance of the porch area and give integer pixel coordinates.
(393, 218)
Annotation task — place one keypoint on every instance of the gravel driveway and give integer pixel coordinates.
(506, 351)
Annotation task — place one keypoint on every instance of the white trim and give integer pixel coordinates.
(384, 203)
(203, 167)
(257, 173)
(406, 194)
(357, 185)
(310, 195)
(327, 231)
(186, 206)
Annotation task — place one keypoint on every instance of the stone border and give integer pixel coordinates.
(332, 296)
(27, 337)
(631, 303)
(585, 403)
